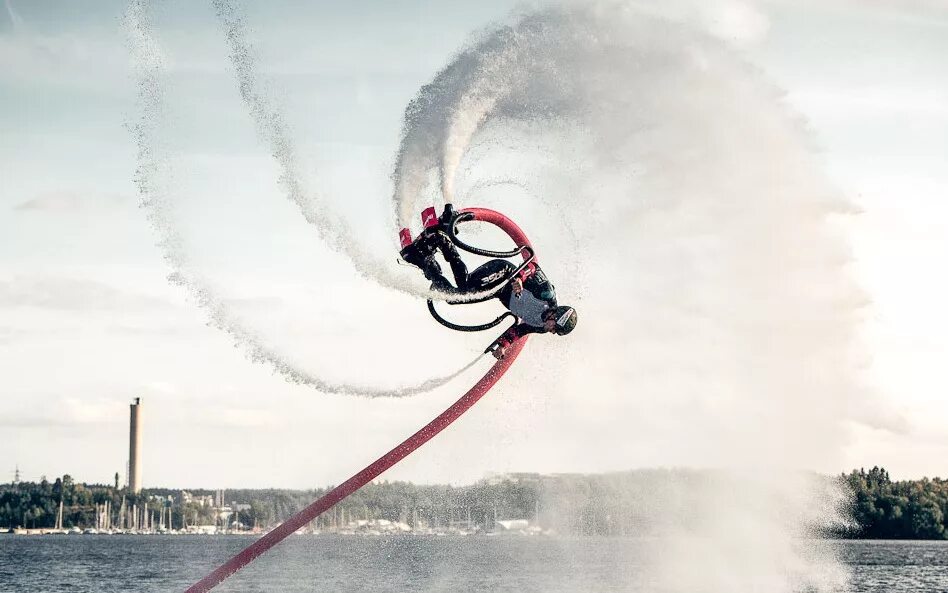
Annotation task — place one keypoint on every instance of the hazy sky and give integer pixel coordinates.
(88, 320)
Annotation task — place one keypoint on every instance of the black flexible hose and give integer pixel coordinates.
(467, 217)
(467, 328)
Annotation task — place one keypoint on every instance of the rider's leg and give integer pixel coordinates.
(458, 267)
(489, 275)
(420, 253)
(432, 271)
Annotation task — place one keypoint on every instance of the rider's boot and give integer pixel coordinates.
(421, 253)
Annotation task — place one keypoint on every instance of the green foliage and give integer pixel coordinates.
(36, 505)
(883, 509)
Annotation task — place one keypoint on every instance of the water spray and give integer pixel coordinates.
(151, 178)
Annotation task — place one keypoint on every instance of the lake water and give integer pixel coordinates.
(331, 563)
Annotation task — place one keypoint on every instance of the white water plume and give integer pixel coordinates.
(271, 125)
(152, 180)
(716, 287)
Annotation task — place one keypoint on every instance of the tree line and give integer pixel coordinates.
(906, 509)
(622, 503)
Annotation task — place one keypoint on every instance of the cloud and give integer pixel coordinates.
(80, 61)
(243, 418)
(929, 12)
(162, 387)
(60, 411)
(15, 18)
(916, 7)
(867, 102)
(70, 294)
(10, 334)
(735, 21)
(165, 330)
(738, 22)
(65, 201)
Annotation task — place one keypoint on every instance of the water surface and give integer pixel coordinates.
(331, 563)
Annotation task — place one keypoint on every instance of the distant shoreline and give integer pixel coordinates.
(613, 504)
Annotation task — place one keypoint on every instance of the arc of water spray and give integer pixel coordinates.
(272, 128)
(155, 199)
(443, 118)
(468, 115)
(721, 226)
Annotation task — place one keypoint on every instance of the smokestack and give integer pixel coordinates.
(135, 446)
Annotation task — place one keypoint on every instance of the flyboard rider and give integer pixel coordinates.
(528, 295)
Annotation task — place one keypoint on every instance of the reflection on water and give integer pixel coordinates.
(104, 564)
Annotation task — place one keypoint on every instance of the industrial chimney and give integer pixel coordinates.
(135, 446)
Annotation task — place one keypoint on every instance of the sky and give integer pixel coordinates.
(88, 319)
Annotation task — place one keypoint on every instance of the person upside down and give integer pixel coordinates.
(529, 296)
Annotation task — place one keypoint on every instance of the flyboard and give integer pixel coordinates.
(409, 445)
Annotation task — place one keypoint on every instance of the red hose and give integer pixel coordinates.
(409, 445)
(362, 478)
(496, 218)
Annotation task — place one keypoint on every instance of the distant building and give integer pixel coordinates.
(135, 446)
(185, 497)
(513, 525)
(494, 478)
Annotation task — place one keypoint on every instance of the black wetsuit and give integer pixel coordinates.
(531, 306)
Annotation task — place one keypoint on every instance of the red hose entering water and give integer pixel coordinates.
(363, 477)
(409, 445)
